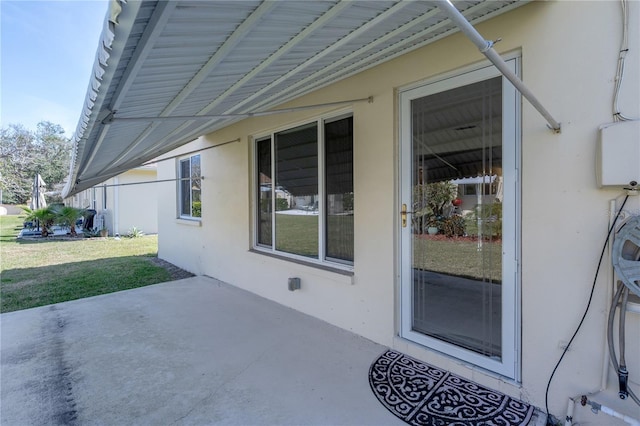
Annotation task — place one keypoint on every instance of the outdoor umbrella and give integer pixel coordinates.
(37, 193)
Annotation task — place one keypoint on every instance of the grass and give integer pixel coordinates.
(47, 271)
(459, 257)
(453, 256)
(299, 234)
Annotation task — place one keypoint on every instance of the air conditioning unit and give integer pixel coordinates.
(104, 219)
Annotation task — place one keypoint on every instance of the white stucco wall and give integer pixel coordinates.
(136, 205)
(569, 53)
(131, 201)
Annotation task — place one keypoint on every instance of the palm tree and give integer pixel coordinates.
(68, 216)
(46, 216)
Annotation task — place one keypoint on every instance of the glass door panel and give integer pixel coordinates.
(453, 289)
(457, 250)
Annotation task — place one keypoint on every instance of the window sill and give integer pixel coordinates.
(189, 222)
(323, 267)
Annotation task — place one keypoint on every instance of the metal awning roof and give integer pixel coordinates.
(201, 65)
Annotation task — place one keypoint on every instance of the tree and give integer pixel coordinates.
(67, 216)
(429, 202)
(45, 216)
(440, 195)
(24, 153)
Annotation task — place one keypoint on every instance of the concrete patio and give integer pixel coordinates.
(194, 351)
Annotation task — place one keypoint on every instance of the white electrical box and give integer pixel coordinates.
(618, 155)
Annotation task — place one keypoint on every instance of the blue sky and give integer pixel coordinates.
(47, 53)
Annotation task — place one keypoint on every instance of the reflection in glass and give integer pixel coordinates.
(297, 190)
(339, 188)
(457, 220)
(196, 209)
(190, 204)
(185, 185)
(263, 150)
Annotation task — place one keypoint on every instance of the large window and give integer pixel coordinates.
(189, 187)
(304, 191)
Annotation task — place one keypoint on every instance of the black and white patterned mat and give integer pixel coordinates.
(421, 394)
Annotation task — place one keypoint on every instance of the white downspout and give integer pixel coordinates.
(116, 210)
(486, 48)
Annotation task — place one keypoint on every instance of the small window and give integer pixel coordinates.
(304, 191)
(189, 187)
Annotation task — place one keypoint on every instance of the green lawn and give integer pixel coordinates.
(453, 256)
(299, 234)
(459, 257)
(42, 272)
(46, 271)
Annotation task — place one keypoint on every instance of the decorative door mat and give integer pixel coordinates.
(421, 394)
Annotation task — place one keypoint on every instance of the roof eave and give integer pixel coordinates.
(118, 23)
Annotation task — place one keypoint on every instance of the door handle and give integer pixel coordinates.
(403, 215)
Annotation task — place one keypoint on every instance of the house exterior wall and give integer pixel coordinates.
(569, 52)
(137, 203)
(130, 201)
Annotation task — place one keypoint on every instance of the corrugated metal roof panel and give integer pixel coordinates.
(184, 58)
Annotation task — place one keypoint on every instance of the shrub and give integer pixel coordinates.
(439, 195)
(265, 205)
(134, 233)
(429, 203)
(488, 217)
(68, 216)
(282, 204)
(196, 209)
(91, 233)
(452, 226)
(46, 216)
(347, 202)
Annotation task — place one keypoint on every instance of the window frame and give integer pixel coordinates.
(179, 188)
(322, 260)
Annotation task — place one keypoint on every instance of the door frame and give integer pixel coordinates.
(509, 364)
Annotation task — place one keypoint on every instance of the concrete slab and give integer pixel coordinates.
(188, 352)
